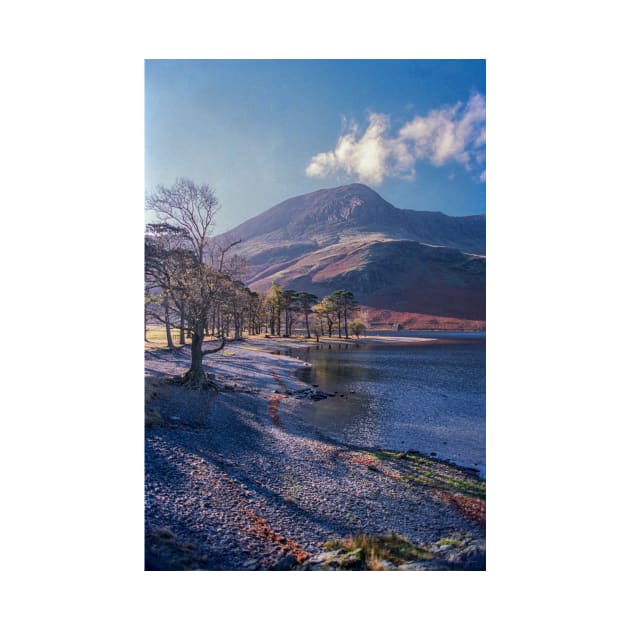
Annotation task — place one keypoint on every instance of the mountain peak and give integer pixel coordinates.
(330, 214)
(350, 237)
(363, 192)
(355, 187)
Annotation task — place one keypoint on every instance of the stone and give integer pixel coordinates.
(322, 557)
(285, 564)
(471, 557)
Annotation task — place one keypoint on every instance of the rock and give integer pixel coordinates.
(334, 561)
(471, 558)
(320, 558)
(285, 564)
(426, 565)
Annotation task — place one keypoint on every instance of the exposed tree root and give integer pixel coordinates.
(197, 379)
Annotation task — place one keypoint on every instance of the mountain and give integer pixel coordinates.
(403, 262)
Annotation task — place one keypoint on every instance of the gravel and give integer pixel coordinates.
(235, 481)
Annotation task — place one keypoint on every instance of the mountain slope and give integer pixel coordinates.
(350, 237)
(322, 217)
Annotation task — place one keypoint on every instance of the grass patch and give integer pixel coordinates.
(451, 542)
(470, 489)
(373, 552)
(155, 338)
(385, 455)
(436, 475)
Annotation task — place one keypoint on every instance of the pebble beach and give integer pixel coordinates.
(235, 481)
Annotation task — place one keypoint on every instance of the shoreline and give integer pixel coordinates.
(274, 344)
(270, 490)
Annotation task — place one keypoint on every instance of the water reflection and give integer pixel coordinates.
(425, 397)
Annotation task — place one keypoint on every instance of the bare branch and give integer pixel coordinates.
(205, 352)
(224, 251)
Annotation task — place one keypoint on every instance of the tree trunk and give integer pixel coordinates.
(237, 327)
(308, 332)
(345, 322)
(195, 377)
(195, 353)
(167, 323)
(182, 335)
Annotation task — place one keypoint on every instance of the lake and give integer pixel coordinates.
(428, 397)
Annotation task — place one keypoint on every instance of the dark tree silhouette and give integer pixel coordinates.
(306, 302)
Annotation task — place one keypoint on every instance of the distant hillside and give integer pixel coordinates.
(423, 263)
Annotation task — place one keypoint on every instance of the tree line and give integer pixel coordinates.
(282, 307)
(194, 284)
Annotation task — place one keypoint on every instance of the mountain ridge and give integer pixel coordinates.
(356, 207)
(399, 260)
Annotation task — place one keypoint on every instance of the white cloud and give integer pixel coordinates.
(364, 157)
(454, 133)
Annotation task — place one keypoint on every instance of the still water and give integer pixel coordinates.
(428, 396)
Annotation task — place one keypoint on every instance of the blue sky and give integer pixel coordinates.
(261, 131)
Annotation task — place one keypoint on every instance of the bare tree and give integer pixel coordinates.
(162, 256)
(192, 208)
